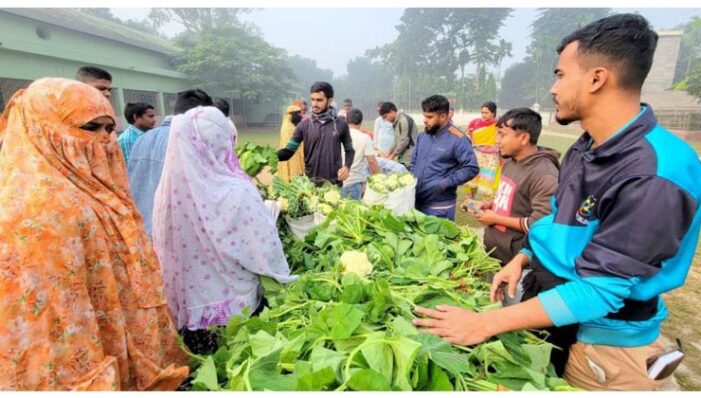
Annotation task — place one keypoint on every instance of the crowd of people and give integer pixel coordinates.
(113, 246)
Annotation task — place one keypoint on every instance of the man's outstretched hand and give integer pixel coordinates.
(455, 325)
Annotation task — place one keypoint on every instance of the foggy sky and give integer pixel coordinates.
(334, 36)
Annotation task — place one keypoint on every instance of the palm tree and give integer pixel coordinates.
(503, 52)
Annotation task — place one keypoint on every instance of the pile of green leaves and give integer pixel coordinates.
(334, 331)
(254, 158)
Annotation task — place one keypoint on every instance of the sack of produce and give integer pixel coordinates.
(395, 191)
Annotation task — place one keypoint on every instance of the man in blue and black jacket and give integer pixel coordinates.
(625, 221)
(444, 159)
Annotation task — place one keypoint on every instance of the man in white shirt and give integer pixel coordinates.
(384, 133)
(364, 157)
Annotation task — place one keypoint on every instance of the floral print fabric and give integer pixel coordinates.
(211, 230)
(82, 305)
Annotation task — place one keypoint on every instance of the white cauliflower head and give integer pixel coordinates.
(332, 197)
(284, 204)
(324, 209)
(406, 179)
(356, 262)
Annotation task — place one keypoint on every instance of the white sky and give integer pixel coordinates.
(333, 36)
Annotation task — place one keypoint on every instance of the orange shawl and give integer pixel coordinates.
(82, 304)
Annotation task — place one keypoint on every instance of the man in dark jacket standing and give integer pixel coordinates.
(322, 134)
(443, 160)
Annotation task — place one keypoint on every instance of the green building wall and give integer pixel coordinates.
(136, 72)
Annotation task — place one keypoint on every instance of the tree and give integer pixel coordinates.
(547, 31)
(517, 86)
(306, 73)
(435, 46)
(234, 61)
(688, 73)
(503, 52)
(367, 83)
(196, 20)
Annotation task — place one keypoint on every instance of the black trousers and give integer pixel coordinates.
(540, 280)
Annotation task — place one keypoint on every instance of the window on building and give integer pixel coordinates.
(8, 87)
(149, 97)
(169, 102)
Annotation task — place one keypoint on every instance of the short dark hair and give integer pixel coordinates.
(189, 99)
(625, 41)
(92, 72)
(523, 120)
(132, 110)
(354, 116)
(223, 106)
(435, 103)
(348, 101)
(323, 87)
(491, 106)
(387, 107)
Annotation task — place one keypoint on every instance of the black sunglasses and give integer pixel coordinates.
(92, 126)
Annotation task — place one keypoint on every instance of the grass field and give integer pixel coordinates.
(683, 304)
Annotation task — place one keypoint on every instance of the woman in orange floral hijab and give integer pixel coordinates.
(82, 305)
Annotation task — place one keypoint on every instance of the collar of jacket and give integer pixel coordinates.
(631, 132)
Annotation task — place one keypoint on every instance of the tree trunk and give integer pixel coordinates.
(478, 77)
(244, 108)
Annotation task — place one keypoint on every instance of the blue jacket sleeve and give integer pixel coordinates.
(642, 223)
(467, 167)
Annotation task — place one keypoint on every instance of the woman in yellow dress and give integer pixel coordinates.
(483, 133)
(295, 166)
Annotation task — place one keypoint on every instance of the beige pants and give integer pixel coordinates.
(599, 367)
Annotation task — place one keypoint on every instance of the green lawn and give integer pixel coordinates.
(260, 136)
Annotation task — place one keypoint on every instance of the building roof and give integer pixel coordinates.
(77, 21)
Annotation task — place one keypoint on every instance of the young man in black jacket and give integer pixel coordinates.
(323, 134)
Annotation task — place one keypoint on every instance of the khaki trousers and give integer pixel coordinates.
(600, 367)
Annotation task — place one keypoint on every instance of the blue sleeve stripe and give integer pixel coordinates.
(527, 252)
(292, 145)
(556, 308)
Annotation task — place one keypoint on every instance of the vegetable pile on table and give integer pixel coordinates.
(345, 324)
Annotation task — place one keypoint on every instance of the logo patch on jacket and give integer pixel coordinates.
(586, 210)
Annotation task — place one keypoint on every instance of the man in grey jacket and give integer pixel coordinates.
(404, 133)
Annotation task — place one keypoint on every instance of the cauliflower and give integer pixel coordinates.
(284, 204)
(379, 178)
(377, 187)
(324, 209)
(406, 179)
(332, 197)
(356, 262)
(313, 203)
